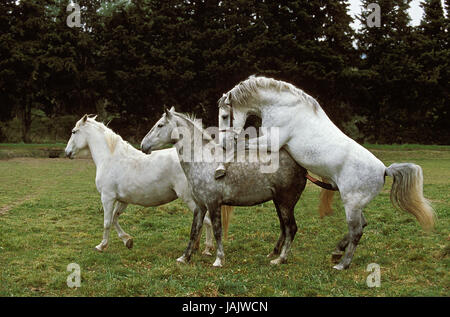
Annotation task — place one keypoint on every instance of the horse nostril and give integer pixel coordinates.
(146, 149)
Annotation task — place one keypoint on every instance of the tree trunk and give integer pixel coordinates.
(25, 114)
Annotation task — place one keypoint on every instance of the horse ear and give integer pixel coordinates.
(168, 113)
(228, 99)
(84, 119)
(94, 117)
(172, 109)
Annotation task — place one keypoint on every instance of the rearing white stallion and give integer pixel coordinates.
(317, 144)
(125, 176)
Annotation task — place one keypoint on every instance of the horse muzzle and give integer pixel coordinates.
(146, 149)
(69, 155)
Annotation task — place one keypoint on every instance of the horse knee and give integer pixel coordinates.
(107, 224)
(293, 228)
(356, 233)
(355, 228)
(207, 221)
(363, 221)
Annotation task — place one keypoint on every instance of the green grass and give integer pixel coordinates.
(51, 216)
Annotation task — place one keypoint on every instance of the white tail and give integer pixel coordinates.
(407, 192)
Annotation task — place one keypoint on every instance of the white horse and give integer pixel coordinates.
(125, 175)
(307, 133)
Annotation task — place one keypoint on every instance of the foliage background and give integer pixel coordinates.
(131, 57)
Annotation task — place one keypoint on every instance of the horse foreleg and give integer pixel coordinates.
(281, 239)
(185, 195)
(197, 223)
(287, 215)
(216, 219)
(108, 207)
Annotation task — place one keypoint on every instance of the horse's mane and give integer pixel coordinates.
(197, 123)
(112, 139)
(241, 93)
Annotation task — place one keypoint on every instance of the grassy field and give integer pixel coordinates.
(51, 215)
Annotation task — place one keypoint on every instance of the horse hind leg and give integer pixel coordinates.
(342, 245)
(226, 212)
(125, 237)
(355, 228)
(209, 244)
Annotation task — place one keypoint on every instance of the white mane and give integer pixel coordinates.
(240, 93)
(113, 140)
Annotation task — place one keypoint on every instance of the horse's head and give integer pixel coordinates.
(225, 121)
(78, 139)
(231, 118)
(161, 133)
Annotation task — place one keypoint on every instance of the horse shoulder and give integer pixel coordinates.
(105, 179)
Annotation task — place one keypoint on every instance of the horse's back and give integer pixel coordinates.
(245, 184)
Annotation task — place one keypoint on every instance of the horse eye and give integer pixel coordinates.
(160, 125)
(74, 131)
(225, 116)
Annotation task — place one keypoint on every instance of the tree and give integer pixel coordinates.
(433, 55)
(23, 76)
(387, 71)
(7, 73)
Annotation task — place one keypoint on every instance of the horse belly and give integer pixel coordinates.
(148, 196)
(247, 198)
(248, 191)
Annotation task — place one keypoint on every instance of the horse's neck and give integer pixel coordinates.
(274, 109)
(98, 147)
(191, 146)
(186, 146)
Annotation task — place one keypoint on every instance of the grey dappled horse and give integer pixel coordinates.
(244, 184)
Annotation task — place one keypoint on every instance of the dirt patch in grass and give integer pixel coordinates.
(5, 209)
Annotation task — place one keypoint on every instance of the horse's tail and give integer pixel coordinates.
(227, 211)
(407, 192)
(325, 201)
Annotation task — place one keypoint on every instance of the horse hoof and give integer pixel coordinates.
(207, 252)
(338, 267)
(219, 173)
(277, 261)
(181, 260)
(336, 256)
(129, 243)
(98, 249)
(217, 263)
